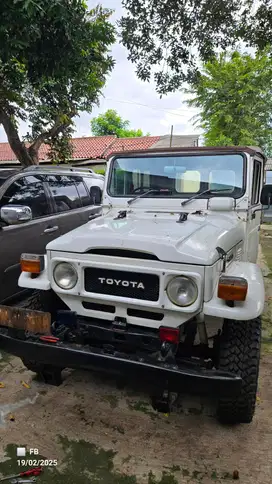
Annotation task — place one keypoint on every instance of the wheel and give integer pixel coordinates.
(49, 374)
(240, 354)
(46, 301)
(33, 365)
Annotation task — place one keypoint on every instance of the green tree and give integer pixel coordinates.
(111, 123)
(234, 96)
(54, 59)
(168, 38)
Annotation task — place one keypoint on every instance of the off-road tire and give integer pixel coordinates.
(240, 354)
(48, 373)
(46, 301)
(33, 365)
(32, 302)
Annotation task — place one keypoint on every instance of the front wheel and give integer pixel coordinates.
(240, 354)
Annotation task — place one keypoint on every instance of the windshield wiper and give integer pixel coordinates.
(200, 194)
(152, 190)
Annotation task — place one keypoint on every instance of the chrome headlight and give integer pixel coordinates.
(65, 275)
(182, 291)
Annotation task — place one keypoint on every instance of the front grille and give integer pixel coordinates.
(122, 283)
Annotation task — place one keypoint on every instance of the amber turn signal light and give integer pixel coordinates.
(232, 288)
(32, 263)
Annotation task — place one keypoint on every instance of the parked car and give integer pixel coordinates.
(37, 205)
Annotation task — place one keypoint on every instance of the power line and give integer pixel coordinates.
(145, 105)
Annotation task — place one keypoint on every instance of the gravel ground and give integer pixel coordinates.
(188, 445)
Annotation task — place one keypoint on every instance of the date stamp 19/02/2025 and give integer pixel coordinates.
(30, 458)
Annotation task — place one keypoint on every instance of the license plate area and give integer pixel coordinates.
(122, 283)
(25, 319)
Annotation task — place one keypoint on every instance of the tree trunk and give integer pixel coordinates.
(18, 147)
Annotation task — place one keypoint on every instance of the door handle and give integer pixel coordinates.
(49, 230)
(93, 216)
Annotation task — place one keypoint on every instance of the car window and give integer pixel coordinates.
(64, 192)
(29, 191)
(82, 191)
(256, 182)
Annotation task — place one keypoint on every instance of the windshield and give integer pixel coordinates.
(177, 176)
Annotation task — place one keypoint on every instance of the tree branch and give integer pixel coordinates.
(17, 146)
(51, 133)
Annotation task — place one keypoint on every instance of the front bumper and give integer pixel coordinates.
(179, 377)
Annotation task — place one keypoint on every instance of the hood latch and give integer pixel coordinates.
(182, 217)
(121, 214)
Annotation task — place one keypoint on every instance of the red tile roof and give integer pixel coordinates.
(93, 147)
(131, 144)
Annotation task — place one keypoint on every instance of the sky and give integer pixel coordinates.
(124, 90)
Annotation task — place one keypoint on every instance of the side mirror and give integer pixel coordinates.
(96, 195)
(266, 195)
(16, 214)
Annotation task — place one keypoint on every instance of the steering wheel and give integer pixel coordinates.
(142, 189)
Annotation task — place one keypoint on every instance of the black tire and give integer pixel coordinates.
(48, 373)
(240, 354)
(46, 301)
(32, 302)
(42, 301)
(33, 365)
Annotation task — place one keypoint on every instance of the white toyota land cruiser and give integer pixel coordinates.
(163, 286)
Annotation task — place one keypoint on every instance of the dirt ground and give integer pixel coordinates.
(104, 431)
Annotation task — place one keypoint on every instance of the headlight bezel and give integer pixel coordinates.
(191, 281)
(70, 267)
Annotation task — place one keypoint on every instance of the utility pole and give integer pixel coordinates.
(171, 136)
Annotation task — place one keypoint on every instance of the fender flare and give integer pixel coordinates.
(246, 310)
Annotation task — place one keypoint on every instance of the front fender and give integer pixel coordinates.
(40, 283)
(252, 307)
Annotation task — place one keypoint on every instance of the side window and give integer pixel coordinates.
(95, 188)
(82, 191)
(29, 191)
(64, 192)
(256, 183)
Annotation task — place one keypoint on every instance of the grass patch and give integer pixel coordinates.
(165, 479)
(144, 407)
(111, 399)
(266, 243)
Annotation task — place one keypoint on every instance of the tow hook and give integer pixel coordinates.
(168, 352)
(163, 401)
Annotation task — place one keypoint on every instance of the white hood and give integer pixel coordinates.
(191, 242)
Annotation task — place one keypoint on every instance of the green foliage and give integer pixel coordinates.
(168, 38)
(100, 171)
(234, 95)
(111, 123)
(53, 64)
